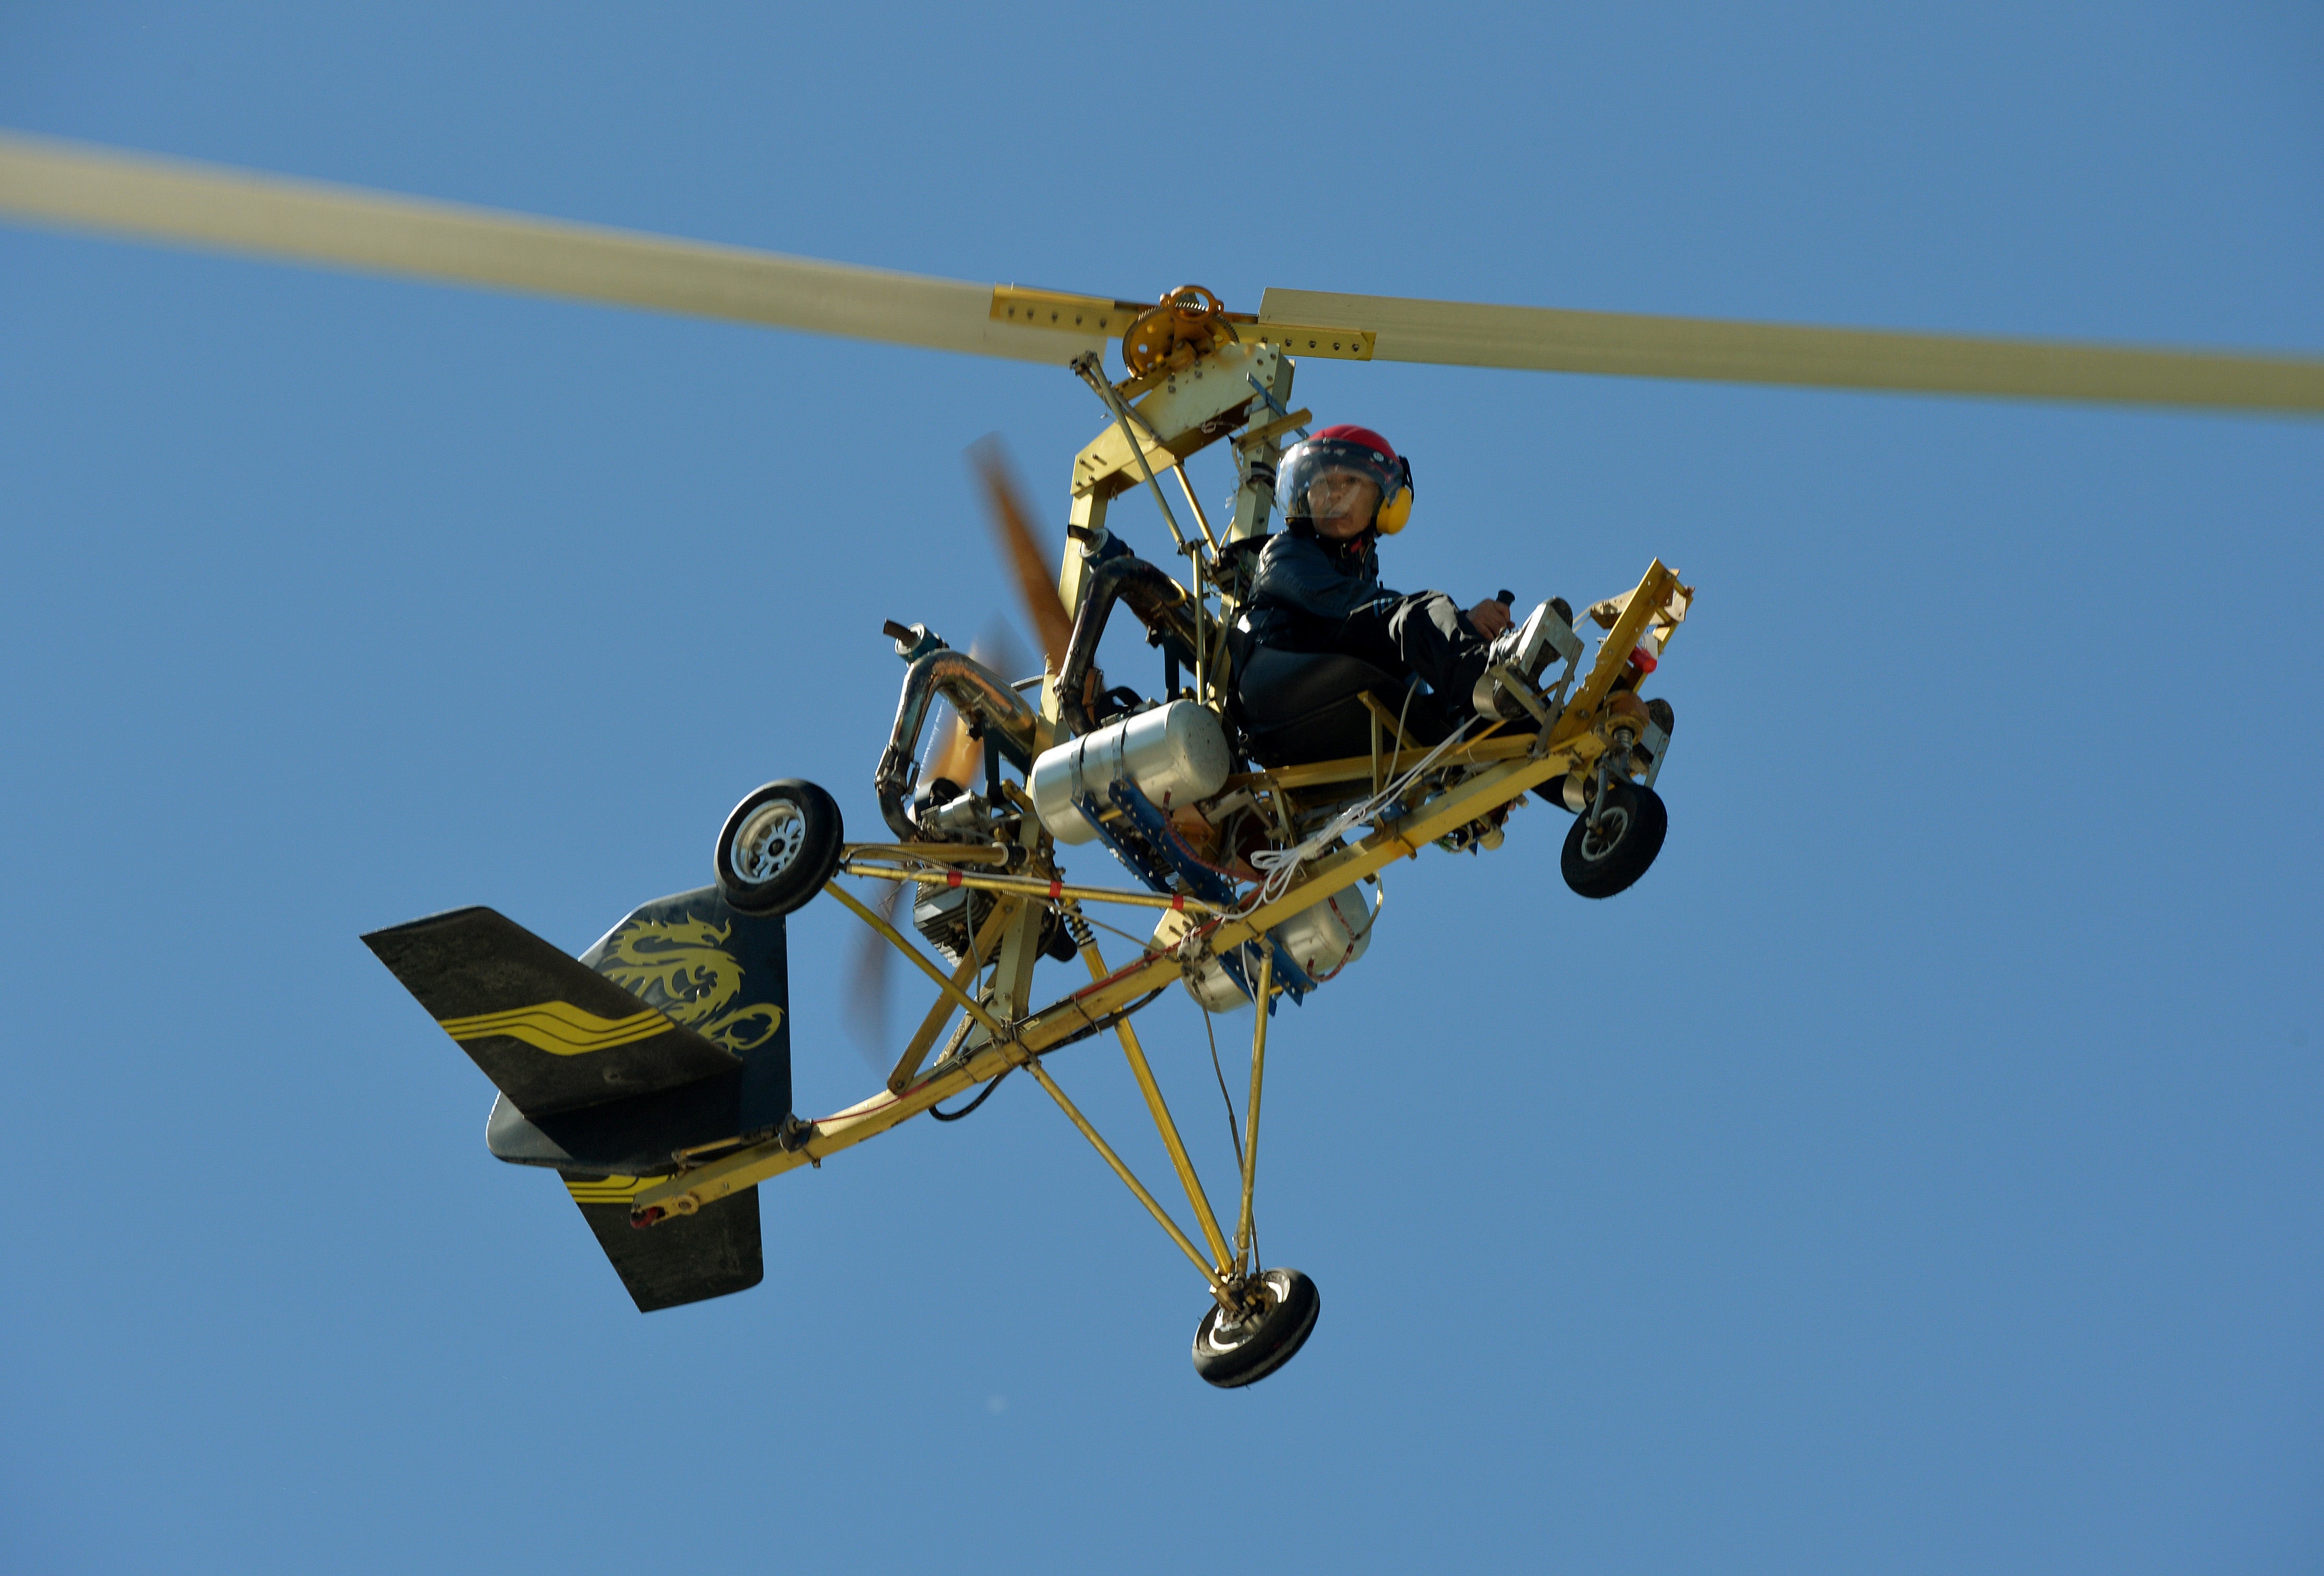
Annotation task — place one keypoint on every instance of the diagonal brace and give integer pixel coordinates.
(1164, 1124)
(1105, 1151)
(990, 1023)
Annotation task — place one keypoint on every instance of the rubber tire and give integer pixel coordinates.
(815, 863)
(1632, 853)
(1267, 1343)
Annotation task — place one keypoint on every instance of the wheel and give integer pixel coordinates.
(1243, 1353)
(778, 848)
(1601, 861)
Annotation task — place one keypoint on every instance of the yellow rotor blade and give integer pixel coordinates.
(73, 185)
(1627, 345)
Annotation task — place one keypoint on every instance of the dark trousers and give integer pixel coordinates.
(1424, 633)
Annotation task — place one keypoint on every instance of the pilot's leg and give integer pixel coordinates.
(1425, 634)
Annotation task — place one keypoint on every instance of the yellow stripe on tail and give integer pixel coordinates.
(558, 1028)
(608, 1190)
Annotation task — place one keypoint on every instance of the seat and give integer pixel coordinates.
(1298, 706)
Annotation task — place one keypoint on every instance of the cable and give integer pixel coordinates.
(1234, 1133)
(1144, 944)
(1099, 1026)
(984, 1095)
(1281, 865)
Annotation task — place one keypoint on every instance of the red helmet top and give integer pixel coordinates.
(1346, 432)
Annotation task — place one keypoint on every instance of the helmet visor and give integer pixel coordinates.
(1324, 478)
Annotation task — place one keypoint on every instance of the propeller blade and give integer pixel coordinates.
(1000, 647)
(1022, 550)
(867, 986)
(957, 755)
(74, 186)
(1626, 344)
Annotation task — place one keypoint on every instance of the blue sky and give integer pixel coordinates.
(1917, 1171)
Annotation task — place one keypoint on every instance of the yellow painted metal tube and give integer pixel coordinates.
(1061, 1020)
(1614, 655)
(1032, 887)
(1250, 1117)
(975, 1008)
(907, 1066)
(929, 852)
(1164, 1124)
(1218, 1286)
(1202, 520)
(1357, 768)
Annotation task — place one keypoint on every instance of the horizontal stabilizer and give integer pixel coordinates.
(552, 1033)
(683, 1260)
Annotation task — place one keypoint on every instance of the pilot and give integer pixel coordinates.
(1318, 588)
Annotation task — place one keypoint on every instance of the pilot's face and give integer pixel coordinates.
(1342, 504)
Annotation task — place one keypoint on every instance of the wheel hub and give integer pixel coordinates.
(1605, 833)
(768, 841)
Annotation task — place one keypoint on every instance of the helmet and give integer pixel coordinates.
(1358, 449)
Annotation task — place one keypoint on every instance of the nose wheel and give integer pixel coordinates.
(1613, 841)
(1280, 1313)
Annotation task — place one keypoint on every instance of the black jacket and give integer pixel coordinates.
(1308, 587)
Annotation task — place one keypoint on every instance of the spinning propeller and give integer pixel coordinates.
(955, 754)
(76, 186)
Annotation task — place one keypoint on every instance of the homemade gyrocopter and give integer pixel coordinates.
(1251, 797)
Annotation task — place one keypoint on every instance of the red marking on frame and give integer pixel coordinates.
(1057, 888)
(1178, 903)
(951, 878)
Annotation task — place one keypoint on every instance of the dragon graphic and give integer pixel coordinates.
(682, 967)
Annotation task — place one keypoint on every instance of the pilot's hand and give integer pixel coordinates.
(1490, 617)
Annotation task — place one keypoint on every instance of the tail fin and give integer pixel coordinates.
(672, 1031)
(685, 1258)
(551, 1034)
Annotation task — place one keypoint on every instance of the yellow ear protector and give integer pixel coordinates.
(1396, 509)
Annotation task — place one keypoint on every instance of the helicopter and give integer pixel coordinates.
(653, 1071)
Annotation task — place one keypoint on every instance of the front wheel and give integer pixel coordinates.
(1605, 855)
(1230, 1354)
(778, 848)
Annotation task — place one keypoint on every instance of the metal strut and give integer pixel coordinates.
(1219, 1288)
(1250, 1116)
(1164, 1124)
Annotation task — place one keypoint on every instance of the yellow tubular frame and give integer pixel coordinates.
(1530, 764)
(915, 1050)
(1073, 1114)
(1163, 1123)
(1029, 887)
(961, 998)
(1250, 1117)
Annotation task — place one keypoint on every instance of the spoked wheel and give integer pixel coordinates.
(778, 848)
(1245, 1351)
(1605, 855)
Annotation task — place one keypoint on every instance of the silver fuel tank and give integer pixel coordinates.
(1173, 754)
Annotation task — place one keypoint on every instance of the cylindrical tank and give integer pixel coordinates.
(1173, 754)
(1321, 940)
